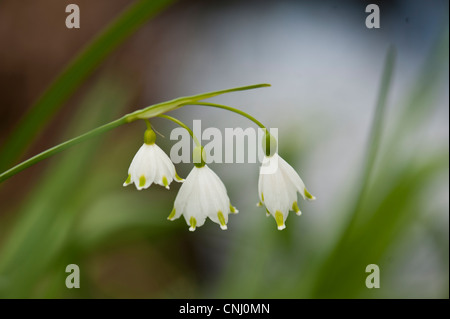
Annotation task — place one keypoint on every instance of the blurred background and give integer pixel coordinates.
(380, 203)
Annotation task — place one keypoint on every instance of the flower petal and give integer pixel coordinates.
(184, 193)
(291, 175)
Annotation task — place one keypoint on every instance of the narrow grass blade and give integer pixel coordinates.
(326, 273)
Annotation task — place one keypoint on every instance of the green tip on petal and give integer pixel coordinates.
(128, 181)
(279, 220)
(308, 195)
(259, 204)
(262, 197)
(223, 225)
(233, 209)
(142, 181)
(267, 212)
(296, 209)
(165, 182)
(178, 178)
(193, 223)
(172, 214)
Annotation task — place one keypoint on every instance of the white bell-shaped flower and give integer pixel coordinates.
(151, 165)
(202, 195)
(278, 186)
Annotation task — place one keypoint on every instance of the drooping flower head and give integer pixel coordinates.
(278, 186)
(202, 195)
(151, 165)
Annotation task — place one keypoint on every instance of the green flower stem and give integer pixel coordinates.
(58, 148)
(197, 143)
(232, 109)
(146, 113)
